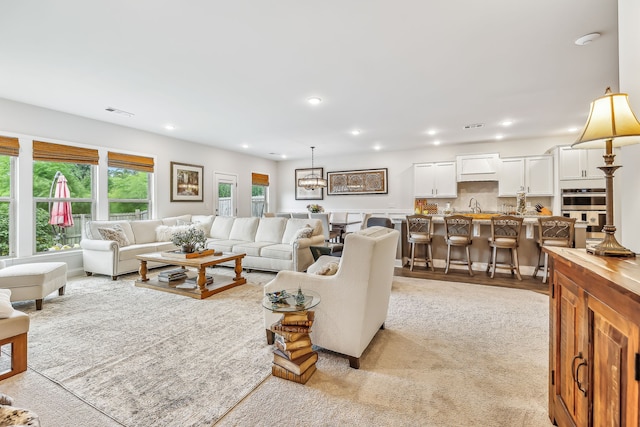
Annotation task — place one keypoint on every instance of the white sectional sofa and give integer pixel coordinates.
(270, 243)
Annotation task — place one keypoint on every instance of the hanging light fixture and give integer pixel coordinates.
(312, 181)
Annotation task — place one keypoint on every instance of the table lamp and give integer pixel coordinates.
(611, 123)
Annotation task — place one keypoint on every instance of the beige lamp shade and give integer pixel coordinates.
(610, 118)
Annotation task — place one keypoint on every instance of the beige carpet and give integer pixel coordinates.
(453, 354)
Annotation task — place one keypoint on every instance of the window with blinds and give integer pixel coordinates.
(259, 194)
(63, 192)
(9, 150)
(129, 185)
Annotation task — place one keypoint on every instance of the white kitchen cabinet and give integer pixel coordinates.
(533, 173)
(435, 180)
(575, 163)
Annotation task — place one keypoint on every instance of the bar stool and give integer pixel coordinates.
(420, 232)
(458, 229)
(505, 234)
(557, 231)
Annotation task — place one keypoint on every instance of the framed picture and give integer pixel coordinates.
(304, 194)
(367, 181)
(186, 182)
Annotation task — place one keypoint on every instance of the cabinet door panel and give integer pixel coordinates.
(539, 176)
(614, 342)
(570, 343)
(571, 165)
(446, 181)
(511, 176)
(423, 179)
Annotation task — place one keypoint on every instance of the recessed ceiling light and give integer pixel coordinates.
(169, 127)
(314, 100)
(284, 156)
(586, 39)
(573, 129)
(431, 132)
(507, 123)
(245, 146)
(355, 132)
(499, 136)
(436, 142)
(377, 148)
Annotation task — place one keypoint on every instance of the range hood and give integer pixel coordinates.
(478, 167)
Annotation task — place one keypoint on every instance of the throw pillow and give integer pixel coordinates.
(6, 309)
(329, 269)
(303, 233)
(181, 222)
(116, 234)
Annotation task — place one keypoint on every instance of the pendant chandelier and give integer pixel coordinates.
(312, 181)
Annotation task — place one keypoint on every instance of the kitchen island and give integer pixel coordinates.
(479, 250)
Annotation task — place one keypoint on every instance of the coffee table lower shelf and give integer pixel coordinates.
(220, 283)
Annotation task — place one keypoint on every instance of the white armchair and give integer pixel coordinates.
(354, 301)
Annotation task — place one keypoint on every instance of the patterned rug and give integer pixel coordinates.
(146, 357)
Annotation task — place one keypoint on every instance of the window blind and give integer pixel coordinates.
(49, 152)
(128, 161)
(9, 146)
(260, 179)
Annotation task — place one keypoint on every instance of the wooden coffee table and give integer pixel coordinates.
(202, 290)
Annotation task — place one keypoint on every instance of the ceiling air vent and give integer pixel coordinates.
(474, 126)
(121, 112)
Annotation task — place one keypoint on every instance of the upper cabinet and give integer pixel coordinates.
(533, 173)
(435, 180)
(478, 167)
(575, 163)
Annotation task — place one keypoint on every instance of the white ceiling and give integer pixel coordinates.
(235, 72)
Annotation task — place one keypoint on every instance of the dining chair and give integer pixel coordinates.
(458, 229)
(420, 232)
(557, 231)
(505, 234)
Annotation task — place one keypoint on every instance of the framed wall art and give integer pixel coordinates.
(303, 193)
(186, 182)
(367, 181)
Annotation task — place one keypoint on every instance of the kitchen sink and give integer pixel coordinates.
(480, 215)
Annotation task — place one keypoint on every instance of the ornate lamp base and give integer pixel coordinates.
(610, 246)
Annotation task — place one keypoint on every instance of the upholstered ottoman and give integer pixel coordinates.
(13, 330)
(34, 281)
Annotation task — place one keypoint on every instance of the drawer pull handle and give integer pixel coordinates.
(575, 371)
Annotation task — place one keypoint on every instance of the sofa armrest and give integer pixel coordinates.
(98, 245)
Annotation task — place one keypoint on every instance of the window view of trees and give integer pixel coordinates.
(79, 180)
(259, 199)
(128, 194)
(5, 194)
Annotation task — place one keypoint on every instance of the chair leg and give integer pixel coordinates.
(413, 249)
(61, 290)
(535, 272)
(430, 257)
(493, 263)
(446, 270)
(545, 272)
(39, 304)
(18, 355)
(469, 261)
(354, 362)
(517, 263)
(270, 336)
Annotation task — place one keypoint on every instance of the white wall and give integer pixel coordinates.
(400, 172)
(627, 180)
(29, 122)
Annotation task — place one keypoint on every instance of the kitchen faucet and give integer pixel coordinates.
(475, 208)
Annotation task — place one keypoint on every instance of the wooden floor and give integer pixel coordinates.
(479, 278)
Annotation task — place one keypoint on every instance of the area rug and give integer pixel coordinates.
(146, 357)
(451, 355)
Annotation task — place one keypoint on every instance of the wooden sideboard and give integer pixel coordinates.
(594, 340)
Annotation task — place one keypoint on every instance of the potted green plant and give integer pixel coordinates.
(189, 240)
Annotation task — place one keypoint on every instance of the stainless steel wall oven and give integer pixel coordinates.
(589, 205)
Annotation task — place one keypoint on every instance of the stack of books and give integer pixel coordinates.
(293, 356)
(172, 275)
(194, 280)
